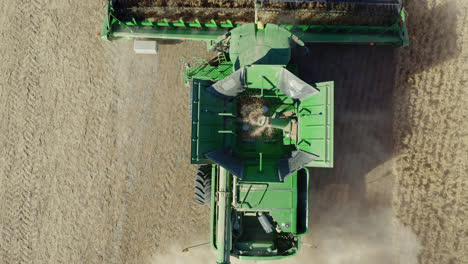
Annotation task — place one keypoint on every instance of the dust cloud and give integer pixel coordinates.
(201, 255)
(347, 234)
(352, 234)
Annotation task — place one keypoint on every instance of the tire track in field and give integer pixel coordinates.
(27, 182)
(135, 100)
(12, 138)
(156, 214)
(175, 159)
(18, 231)
(11, 198)
(8, 239)
(98, 173)
(113, 249)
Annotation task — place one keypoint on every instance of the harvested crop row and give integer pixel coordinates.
(270, 12)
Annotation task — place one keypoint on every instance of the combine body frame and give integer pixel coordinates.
(256, 183)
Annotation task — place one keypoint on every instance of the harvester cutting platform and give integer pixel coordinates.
(256, 126)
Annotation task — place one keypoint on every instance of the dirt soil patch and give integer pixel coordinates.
(94, 157)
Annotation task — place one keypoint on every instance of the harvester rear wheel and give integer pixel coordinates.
(203, 185)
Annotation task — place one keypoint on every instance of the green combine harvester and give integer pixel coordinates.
(256, 126)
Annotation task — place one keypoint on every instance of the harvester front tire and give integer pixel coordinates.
(203, 185)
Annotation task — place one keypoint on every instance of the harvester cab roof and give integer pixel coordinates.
(268, 45)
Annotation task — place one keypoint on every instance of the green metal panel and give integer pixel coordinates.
(146, 32)
(395, 34)
(256, 197)
(254, 245)
(315, 119)
(250, 45)
(207, 123)
(223, 224)
(263, 192)
(268, 174)
(268, 258)
(263, 76)
(291, 253)
(208, 72)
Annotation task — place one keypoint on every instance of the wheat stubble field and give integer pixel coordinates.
(94, 144)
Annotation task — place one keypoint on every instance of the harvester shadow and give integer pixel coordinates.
(364, 78)
(169, 41)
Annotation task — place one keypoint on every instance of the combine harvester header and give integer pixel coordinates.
(379, 22)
